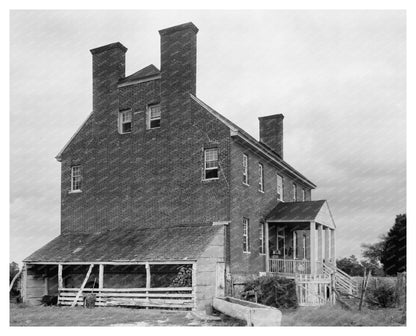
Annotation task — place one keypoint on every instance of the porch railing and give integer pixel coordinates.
(290, 266)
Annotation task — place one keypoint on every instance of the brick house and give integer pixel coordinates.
(165, 202)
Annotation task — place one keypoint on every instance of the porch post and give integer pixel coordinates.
(333, 259)
(60, 280)
(148, 279)
(101, 276)
(320, 241)
(327, 233)
(266, 233)
(312, 246)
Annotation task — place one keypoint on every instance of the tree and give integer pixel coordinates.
(394, 253)
(13, 270)
(350, 265)
(372, 254)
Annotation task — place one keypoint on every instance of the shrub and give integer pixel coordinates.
(273, 291)
(384, 296)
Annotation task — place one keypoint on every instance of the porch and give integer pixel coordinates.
(299, 239)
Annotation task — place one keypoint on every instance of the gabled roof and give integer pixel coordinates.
(175, 243)
(247, 139)
(307, 211)
(146, 73)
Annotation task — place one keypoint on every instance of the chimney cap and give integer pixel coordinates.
(174, 29)
(273, 116)
(108, 47)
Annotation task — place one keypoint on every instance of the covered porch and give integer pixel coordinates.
(300, 239)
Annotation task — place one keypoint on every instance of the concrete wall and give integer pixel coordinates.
(210, 273)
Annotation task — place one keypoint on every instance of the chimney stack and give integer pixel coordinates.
(108, 67)
(271, 132)
(178, 60)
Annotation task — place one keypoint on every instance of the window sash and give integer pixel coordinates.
(154, 112)
(261, 177)
(279, 187)
(246, 233)
(210, 162)
(125, 122)
(245, 169)
(262, 242)
(294, 192)
(75, 178)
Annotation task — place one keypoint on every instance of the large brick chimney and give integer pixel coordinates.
(177, 67)
(271, 132)
(108, 67)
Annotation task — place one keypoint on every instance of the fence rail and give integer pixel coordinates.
(179, 297)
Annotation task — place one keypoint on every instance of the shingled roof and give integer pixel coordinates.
(147, 72)
(317, 211)
(176, 243)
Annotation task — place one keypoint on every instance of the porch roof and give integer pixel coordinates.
(118, 245)
(317, 211)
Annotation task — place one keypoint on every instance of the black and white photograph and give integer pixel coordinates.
(207, 168)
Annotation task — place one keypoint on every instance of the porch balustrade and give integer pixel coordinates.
(292, 266)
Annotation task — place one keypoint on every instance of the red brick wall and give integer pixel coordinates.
(247, 201)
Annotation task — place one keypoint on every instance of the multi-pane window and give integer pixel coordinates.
(261, 177)
(76, 178)
(246, 239)
(153, 116)
(303, 195)
(125, 122)
(279, 187)
(262, 242)
(294, 192)
(245, 169)
(211, 163)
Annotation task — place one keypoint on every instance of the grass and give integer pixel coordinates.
(22, 315)
(336, 316)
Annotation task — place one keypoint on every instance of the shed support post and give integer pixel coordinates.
(312, 246)
(101, 276)
(266, 231)
(60, 280)
(148, 281)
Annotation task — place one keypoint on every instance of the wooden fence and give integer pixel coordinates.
(178, 298)
(314, 290)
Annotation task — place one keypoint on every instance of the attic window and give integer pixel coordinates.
(125, 122)
(153, 116)
(211, 164)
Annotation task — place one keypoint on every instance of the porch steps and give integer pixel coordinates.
(343, 282)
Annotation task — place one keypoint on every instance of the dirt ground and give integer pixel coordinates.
(21, 315)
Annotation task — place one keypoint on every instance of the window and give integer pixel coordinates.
(246, 231)
(153, 116)
(245, 169)
(261, 177)
(262, 242)
(125, 122)
(279, 187)
(76, 178)
(294, 192)
(303, 195)
(211, 164)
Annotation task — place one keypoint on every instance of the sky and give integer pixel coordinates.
(339, 78)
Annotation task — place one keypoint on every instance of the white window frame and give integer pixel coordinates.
(125, 117)
(206, 161)
(150, 118)
(261, 177)
(76, 178)
(245, 169)
(246, 235)
(262, 237)
(303, 194)
(294, 192)
(279, 187)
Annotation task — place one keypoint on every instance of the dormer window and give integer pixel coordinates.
(153, 116)
(125, 122)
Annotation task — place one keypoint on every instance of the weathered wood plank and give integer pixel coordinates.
(83, 284)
